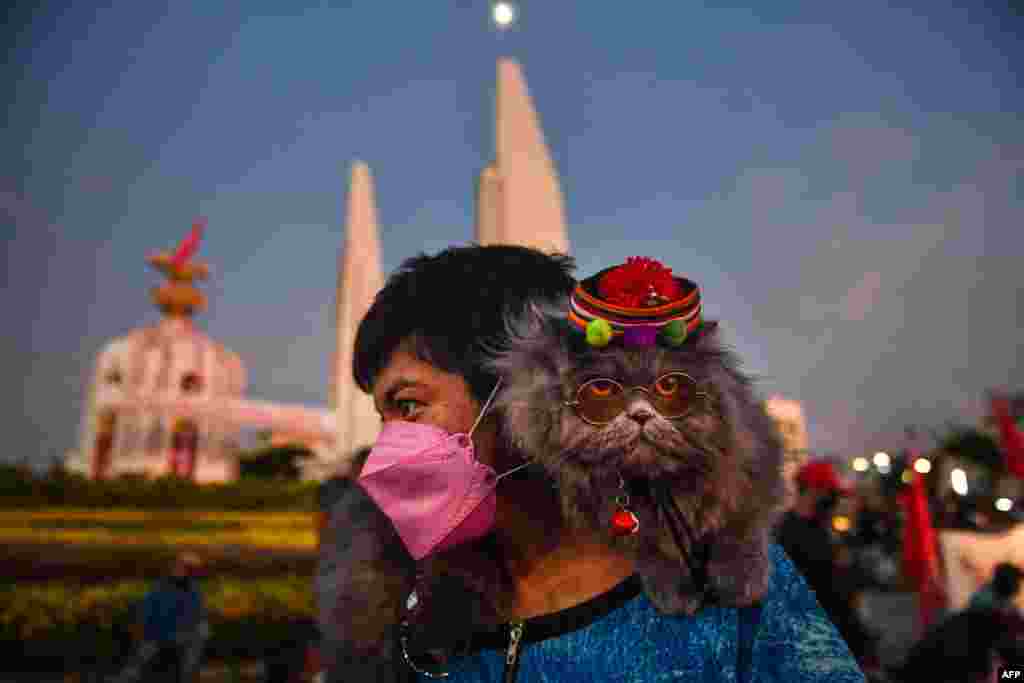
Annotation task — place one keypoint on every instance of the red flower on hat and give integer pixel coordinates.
(639, 282)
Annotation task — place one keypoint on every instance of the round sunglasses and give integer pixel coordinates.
(599, 401)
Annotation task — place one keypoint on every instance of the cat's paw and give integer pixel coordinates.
(670, 589)
(740, 579)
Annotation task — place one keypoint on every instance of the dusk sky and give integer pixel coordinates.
(843, 179)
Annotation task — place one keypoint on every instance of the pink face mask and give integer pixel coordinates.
(431, 486)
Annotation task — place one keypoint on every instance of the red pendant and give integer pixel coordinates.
(625, 523)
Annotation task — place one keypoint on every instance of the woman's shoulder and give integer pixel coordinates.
(795, 639)
(786, 582)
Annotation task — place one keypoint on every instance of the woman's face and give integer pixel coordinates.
(413, 390)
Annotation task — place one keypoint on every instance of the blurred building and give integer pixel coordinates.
(171, 360)
(279, 438)
(789, 419)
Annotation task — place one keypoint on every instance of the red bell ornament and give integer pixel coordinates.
(625, 523)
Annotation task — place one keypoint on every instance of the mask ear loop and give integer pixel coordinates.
(483, 411)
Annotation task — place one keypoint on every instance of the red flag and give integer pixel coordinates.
(190, 244)
(921, 551)
(1010, 436)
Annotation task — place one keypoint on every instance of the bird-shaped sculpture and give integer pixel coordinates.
(179, 296)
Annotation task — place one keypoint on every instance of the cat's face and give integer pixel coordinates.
(644, 413)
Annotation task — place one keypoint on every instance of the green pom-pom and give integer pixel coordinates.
(675, 333)
(599, 333)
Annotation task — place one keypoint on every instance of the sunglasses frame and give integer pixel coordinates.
(575, 404)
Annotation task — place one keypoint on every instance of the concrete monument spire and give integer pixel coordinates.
(519, 198)
(359, 279)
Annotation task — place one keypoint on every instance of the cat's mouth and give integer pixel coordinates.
(650, 455)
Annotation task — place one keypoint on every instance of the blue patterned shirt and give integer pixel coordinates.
(788, 639)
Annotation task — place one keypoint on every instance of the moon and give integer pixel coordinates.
(504, 14)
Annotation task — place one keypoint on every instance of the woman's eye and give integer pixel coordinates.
(667, 386)
(407, 407)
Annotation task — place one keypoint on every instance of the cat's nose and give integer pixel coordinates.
(641, 414)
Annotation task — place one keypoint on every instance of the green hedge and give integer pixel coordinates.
(22, 489)
(63, 624)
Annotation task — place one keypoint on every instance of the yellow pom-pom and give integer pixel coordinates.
(599, 333)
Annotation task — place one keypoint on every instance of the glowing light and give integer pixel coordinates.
(881, 460)
(959, 480)
(1004, 505)
(861, 464)
(841, 523)
(907, 476)
(504, 14)
(923, 465)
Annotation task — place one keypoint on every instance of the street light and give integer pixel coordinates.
(923, 465)
(882, 460)
(959, 480)
(861, 464)
(1004, 505)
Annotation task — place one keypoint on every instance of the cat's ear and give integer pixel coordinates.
(531, 366)
(709, 337)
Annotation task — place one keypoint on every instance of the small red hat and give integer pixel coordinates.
(821, 475)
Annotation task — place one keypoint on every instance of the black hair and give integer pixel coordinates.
(453, 308)
(1006, 580)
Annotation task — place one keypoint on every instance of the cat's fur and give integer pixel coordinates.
(722, 463)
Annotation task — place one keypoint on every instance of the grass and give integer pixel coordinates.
(73, 576)
(292, 531)
(36, 610)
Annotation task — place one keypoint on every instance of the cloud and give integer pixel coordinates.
(832, 426)
(18, 209)
(862, 297)
(813, 309)
(866, 144)
(95, 184)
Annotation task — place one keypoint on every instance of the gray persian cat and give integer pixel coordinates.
(706, 488)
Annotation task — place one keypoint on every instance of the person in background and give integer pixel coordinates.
(971, 645)
(805, 534)
(871, 539)
(174, 625)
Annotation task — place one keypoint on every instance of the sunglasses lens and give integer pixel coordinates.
(600, 400)
(673, 394)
